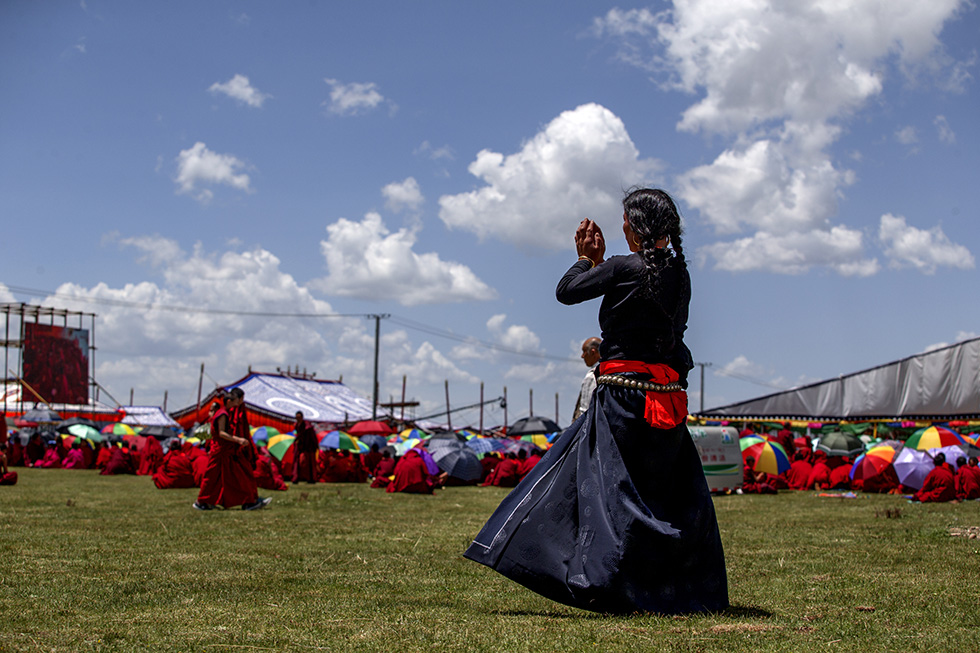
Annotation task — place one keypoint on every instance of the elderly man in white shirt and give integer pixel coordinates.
(590, 354)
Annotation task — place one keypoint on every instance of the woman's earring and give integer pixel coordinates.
(637, 242)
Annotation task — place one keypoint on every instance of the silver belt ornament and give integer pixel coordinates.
(615, 379)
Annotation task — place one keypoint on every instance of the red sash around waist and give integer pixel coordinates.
(663, 410)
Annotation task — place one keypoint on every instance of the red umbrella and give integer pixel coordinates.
(370, 427)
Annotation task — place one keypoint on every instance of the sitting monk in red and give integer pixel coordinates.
(120, 462)
(967, 480)
(175, 470)
(820, 474)
(7, 477)
(384, 470)
(940, 484)
(267, 476)
(754, 482)
(411, 475)
(507, 473)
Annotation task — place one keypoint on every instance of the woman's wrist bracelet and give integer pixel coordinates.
(586, 258)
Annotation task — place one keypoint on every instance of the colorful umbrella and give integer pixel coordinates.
(341, 440)
(118, 428)
(264, 434)
(750, 441)
(838, 443)
(770, 457)
(402, 447)
(933, 437)
(280, 445)
(955, 452)
(468, 434)
(872, 463)
(408, 434)
(513, 446)
(541, 441)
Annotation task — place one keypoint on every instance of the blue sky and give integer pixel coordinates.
(431, 161)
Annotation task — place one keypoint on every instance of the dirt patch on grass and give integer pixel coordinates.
(743, 628)
(970, 532)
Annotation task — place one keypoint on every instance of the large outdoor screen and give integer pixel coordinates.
(55, 364)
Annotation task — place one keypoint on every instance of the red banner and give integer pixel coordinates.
(55, 364)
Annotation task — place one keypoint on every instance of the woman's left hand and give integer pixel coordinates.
(590, 242)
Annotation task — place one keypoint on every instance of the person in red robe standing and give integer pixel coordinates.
(174, 471)
(384, 470)
(7, 477)
(267, 476)
(305, 448)
(505, 474)
(411, 475)
(120, 462)
(228, 479)
(152, 456)
(940, 484)
(820, 474)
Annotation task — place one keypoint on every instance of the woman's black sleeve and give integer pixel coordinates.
(583, 282)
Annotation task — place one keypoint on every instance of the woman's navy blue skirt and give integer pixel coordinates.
(616, 517)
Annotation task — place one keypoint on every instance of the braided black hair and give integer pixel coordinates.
(652, 215)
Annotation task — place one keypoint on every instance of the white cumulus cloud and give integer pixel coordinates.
(924, 250)
(239, 88)
(403, 195)
(776, 80)
(364, 259)
(515, 336)
(945, 132)
(198, 166)
(576, 167)
(352, 98)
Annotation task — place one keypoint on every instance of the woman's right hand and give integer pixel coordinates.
(589, 241)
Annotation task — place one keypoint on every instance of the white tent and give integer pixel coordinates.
(938, 385)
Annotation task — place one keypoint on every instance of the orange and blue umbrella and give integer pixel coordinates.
(933, 437)
(770, 457)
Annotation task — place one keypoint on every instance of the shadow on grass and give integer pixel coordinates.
(734, 611)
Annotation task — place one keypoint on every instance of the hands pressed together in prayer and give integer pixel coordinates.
(589, 241)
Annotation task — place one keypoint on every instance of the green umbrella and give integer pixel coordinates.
(86, 432)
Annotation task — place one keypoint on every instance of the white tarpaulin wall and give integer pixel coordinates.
(147, 416)
(940, 384)
(320, 401)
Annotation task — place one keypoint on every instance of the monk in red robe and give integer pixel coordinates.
(411, 475)
(152, 456)
(102, 458)
(488, 462)
(505, 474)
(34, 451)
(384, 470)
(754, 482)
(228, 479)
(784, 438)
(15, 453)
(51, 459)
(305, 448)
(120, 462)
(174, 471)
(75, 458)
(940, 483)
(526, 465)
(967, 482)
(840, 476)
(372, 458)
(884, 482)
(7, 477)
(820, 474)
(266, 474)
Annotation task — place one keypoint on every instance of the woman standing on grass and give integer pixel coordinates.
(617, 516)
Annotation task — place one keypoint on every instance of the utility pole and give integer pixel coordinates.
(377, 346)
(702, 366)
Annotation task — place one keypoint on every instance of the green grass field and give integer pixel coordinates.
(92, 563)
